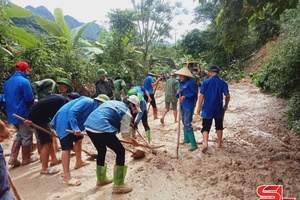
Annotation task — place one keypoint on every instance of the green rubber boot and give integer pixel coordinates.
(149, 136)
(119, 176)
(185, 137)
(101, 175)
(133, 133)
(193, 143)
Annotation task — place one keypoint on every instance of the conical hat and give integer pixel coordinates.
(184, 72)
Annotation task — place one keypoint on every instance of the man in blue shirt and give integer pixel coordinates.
(187, 94)
(102, 125)
(149, 84)
(18, 99)
(71, 116)
(211, 104)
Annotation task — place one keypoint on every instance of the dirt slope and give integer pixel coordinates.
(258, 149)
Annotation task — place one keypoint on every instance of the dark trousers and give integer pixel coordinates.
(110, 140)
(153, 102)
(144, 120)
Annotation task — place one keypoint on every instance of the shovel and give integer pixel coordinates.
(137, 154)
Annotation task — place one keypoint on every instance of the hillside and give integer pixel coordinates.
(30, 25)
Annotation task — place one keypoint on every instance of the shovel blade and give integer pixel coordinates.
(138, 154)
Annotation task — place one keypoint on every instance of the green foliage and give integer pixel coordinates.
(153, 24)
(284, 61)
(13, 10)
(233, 73)
(293, 114)
(235, 15)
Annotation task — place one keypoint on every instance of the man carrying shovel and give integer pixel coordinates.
(71, 116)
(101, 126)
(41, 114)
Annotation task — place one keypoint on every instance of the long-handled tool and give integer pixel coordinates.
(13, 187)
(178, 130)
(36, 126)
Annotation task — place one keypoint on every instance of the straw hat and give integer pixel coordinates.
(184, 72)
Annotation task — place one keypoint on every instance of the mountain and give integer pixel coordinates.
(91, 32)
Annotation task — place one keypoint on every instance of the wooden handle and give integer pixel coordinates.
(35, 125)
(13, 187)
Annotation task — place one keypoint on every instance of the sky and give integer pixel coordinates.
(90, 10)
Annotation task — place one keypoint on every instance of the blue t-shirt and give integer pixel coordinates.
(189, 91)
(213, 90)
(148, 84)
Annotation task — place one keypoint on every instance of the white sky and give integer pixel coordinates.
(90, 10)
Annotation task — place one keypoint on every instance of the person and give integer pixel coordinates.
(186, 94)
(71, 116)
(104, 85)
(196, 79)
(140, 89)
(211, 104)
(170, 96)
(5, 193)
(101, 126)
(41, 114)
(18, 99)
(48, 86)
(143, 115)
(149, 84)
(120, 87)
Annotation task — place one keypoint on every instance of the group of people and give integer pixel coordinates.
(188, 90)
(44, 104)
(47, 102)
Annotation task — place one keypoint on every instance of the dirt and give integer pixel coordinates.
(258, 149)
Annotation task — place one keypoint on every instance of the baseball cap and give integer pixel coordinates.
(22, 66)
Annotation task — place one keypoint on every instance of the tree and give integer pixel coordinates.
(235, 16)
(154, 22)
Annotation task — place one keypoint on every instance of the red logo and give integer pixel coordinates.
(271, 192)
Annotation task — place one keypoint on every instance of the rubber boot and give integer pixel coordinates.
(101, 175)
(185, 137)
(193, 143)
(133, 133)
(26, 157)
(119, 176)
(149, 136)
(155, 113)
(13, 160)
